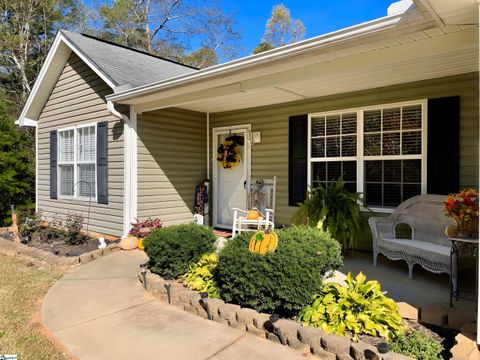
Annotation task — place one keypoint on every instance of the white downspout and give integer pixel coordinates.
(126, 165)
(208, 145)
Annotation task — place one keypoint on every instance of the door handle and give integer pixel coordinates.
(245, 184)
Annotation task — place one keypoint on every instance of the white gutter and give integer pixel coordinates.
(275, 54)
(128, 164)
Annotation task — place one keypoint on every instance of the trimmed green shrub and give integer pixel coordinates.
(418, 345)
(353, 309)
(172, 249)
(200, 275)
(281, 282)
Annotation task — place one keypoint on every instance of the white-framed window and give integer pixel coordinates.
(379, 151)
(77, 162)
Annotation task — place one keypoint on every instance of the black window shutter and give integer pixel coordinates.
(53, 164)
(443, 144)
(102, 162)
(297, 159)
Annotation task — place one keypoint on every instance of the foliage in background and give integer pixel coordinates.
(151, 224)
(281, 282)
(200, 276)
(167, 28)
(27, 29)
(332, 208)
(280, 30)
(418, 345)
(17, 165)
(171, 250)
(353, 309)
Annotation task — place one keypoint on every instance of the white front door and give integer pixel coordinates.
(229, 184)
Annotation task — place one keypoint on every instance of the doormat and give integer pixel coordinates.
(222, 233)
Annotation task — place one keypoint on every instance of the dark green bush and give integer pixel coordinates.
(282, 282)
(418, 345)
(172, 249)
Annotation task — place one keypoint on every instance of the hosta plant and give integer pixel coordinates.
(199, 277)
(358, 307)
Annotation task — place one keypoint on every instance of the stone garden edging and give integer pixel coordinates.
(8, 247)
(282, 331)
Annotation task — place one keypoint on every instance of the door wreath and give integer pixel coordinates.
(228, 153)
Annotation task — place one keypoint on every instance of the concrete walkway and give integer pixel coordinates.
(100, 311)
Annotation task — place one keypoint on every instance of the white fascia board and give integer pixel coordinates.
(23, 120)
(301, 47)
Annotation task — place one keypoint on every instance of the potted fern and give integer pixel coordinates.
(335, 209)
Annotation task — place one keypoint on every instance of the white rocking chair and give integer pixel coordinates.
(261, 203)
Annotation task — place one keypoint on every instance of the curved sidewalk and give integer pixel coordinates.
(101, 311)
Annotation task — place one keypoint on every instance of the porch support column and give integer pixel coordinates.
(130, 171)
(478, 262)
(208, 145)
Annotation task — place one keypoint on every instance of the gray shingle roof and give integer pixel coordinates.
(123, 65)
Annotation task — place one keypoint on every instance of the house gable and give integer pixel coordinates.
(78, 98)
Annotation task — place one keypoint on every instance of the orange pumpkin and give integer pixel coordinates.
(254, 215)
(262, 242)
(129, 243)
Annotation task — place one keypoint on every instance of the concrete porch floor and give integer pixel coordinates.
(425, 288)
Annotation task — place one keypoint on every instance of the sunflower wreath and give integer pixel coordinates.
(228, 154)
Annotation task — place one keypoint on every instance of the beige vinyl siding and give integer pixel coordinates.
(171, 162)
(270, 157)
(79, 98)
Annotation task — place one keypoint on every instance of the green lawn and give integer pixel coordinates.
(22, 286)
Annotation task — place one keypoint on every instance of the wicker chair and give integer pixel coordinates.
(428, 247)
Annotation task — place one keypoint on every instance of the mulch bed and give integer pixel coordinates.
(56, 247)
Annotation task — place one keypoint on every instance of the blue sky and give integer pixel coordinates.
(319, 17)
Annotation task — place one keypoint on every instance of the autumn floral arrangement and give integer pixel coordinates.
(463, 208)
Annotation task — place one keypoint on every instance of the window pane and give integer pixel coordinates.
(372, 144)
(412, 143)
(86, 144)
(372, 120)
(392, 195)
(391, 119)
(66, 146)
(373, 194)
(86, 180)
(349, 123)
(373, 171)
(349, 145)
(333, 146)
(412, 171)
(333, 125)
(334, 170)
(349, 171)
(412, 117)
(390, 182)
(318, 126)
(391, 144)
(318, 147)
(319, 173)
(66, 180)
(392, 171)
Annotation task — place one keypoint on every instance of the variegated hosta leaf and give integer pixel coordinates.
(359, 307)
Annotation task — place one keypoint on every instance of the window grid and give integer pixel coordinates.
(82, 163)
(411, 130)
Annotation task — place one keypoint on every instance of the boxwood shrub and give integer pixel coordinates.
(282, 282)
(172, 249)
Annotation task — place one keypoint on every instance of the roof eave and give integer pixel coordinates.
(329, 39)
